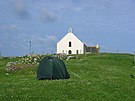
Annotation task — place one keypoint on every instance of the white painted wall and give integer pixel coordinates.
(63, 44)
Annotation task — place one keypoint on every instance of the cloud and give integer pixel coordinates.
(0, 45)
(21, 9)
(14, 39)
(25, 10)
(10, 28)
(43, 40)
(77, 9)
(47, 16)
(44, 43)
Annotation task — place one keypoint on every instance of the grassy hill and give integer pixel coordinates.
(102, 77)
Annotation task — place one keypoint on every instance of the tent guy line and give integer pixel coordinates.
(74, 74)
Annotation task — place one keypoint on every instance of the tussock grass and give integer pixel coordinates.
(103, 77)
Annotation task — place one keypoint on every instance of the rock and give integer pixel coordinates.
(62, 56)
(11, 66)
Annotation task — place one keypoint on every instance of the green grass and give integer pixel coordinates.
(102, 77)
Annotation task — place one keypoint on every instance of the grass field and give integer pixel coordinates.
(96, 77)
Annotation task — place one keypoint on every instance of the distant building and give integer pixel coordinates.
(70, 44)
(93, 49)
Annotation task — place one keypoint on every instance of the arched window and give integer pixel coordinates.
(70, 44)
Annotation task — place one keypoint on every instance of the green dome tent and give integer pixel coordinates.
(52, 68)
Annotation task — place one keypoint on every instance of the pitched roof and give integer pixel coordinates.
(69, 35)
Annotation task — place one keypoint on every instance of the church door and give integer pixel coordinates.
(69, 52)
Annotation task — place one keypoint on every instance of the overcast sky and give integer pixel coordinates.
(110, 23)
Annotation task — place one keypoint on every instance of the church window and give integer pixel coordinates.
(76, 51)
(70, 44)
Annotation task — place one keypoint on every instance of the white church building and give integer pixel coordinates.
(70, 44)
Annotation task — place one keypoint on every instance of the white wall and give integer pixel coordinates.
(63, 44)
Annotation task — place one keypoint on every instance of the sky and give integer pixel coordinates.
(109, 23)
